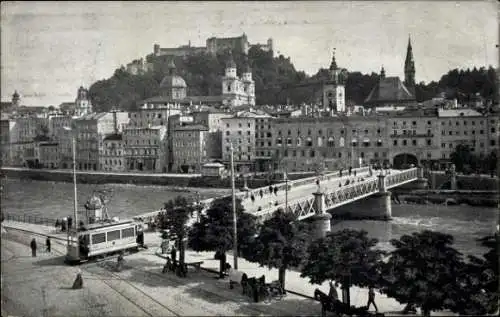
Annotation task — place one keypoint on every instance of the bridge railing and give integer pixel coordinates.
(392, 180)
(301, 182)
(26, 218)
(305, 207)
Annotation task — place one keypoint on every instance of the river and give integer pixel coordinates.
(55, 200)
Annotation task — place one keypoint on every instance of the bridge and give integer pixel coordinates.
(306, 198)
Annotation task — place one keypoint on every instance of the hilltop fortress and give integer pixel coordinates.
(213, 45)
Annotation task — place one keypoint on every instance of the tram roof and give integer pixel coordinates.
(106, 224)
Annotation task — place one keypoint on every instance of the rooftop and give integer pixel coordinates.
(458, 113)
(389, 89)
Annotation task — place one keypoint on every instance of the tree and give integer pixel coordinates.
(282, 244)
(214, 231)
(346, 256)
(422, 270)
(462, 157)
(477, 292)
(177, 213)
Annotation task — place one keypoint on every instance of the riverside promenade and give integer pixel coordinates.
(200, 293)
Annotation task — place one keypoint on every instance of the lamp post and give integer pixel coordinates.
(75, 201)
(235, 226)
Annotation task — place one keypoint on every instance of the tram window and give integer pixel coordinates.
(129, 232)
(98, 238)
(113, 235)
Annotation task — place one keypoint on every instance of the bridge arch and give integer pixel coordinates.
(404, 160)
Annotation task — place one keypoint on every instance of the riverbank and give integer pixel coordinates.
(180, 182)
(482, 198)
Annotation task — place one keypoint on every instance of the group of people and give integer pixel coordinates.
(65, 223)
(371, 295)
(33, 246)
(272, 190)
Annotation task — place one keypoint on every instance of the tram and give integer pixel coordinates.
(102, 239)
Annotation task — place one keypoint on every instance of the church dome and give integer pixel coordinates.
(173, 81)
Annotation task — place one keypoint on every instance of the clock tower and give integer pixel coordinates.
(334, 89)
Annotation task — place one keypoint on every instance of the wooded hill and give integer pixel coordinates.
(276, 81)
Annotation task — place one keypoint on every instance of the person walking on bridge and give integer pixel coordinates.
(33, 247)
(350, 170)
(261, 193)
(48, 244)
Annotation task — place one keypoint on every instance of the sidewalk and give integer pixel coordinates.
(294, 282)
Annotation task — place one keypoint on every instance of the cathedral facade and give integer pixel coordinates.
(238, 91)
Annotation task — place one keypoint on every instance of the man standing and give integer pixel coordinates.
(47, 243)
(33, 247)
(333, 291)
(371, 299)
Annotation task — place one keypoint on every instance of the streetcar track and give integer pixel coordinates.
(87, 266)
(121, 293)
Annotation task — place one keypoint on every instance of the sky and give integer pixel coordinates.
(49, 49)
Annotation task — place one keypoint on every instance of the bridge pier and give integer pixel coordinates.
(421, 182)
(322, 220)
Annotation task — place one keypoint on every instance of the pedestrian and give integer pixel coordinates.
(261, 193)
(354, 172)
(70, 223)
(47, 244)
(173, 255)
(340, 173)
(252, 197)
(350, 170)
(317, 181)
(333, 291)
(276, 190)
(57, 224)
(63, 224)
(33, 247)
(270, 189)
(78, 283)
(371, 299)
(140, 239)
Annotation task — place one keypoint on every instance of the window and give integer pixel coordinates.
(429, 142)
(395, 142)
(481, 131)
(414, 123)
(492, 142)
(492, 130)
(289, 141)
(428, 123)
(248, 132)
(331, 142)
(414, 142)
(309, 142)
(98, 238)
(405, 142)
(313, 153)
(450, 145)
(127, 233)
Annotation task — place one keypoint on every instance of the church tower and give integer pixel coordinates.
(410, 69)
(334, 89)
(82, 102)
(230, 82)
(16, 100)
(248, 83)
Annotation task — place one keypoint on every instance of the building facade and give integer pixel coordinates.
(48, 153)
(145, 148)
(189, 148)
(90, 132)
(213, 122)
(112, 158)
(239, 132)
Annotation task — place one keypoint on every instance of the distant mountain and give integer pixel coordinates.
(276, 81)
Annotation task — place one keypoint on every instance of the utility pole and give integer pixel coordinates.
(235, 225)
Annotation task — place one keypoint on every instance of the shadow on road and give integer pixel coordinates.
(55, 261)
